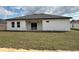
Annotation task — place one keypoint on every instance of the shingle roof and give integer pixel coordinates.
(40, 16)
(75, 21)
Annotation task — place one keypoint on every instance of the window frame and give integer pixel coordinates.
(13, 24)
(18, 24)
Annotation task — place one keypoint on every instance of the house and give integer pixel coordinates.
(39, 22)
(75, 24)
(2, 24)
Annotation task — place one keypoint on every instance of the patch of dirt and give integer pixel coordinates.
(31, 50)
(19, 50)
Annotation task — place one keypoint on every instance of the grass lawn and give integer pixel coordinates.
(40, 40)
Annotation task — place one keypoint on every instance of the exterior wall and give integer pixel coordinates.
(56, 25)
(39, 25)
(2, 26)
(22, 25)
(71, 25)
(28, 26)
(75, 25)
(52, 25)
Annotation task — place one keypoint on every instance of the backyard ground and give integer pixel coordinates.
(40, 40)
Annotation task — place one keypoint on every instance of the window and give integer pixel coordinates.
(33, 26)
(47, 21)
(18, 24)
(13, 24)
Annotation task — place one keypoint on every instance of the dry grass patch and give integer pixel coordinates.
(40, 40)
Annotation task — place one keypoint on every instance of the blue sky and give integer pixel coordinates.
(15, 11)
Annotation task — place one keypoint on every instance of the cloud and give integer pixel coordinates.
(74, 15)
(66, 9)
(71, 11)
(49, 9)
(5, 12)
(25, 10)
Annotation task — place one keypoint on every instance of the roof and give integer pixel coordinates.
(39, 16)
(2, 21)
(75, 21)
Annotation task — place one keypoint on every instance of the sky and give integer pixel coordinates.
(15, 11)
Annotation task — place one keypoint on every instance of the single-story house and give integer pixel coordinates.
(2, 24)
(75, 24)
(39, 22)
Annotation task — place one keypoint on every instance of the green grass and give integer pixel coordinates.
(40, 40)
(75, 29)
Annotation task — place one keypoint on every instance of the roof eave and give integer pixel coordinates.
(39, 18)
